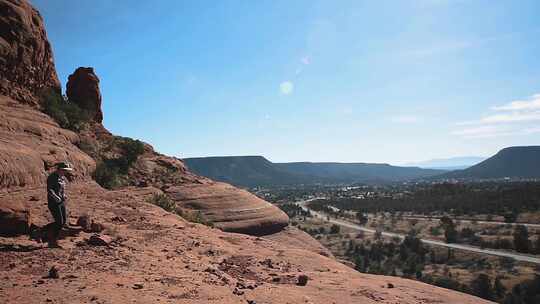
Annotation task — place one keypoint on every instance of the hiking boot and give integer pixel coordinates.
(54, 244)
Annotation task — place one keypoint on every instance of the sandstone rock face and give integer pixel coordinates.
(83, 89)
(26, 59)
(230, 208)
(296, 238)
(31, 143)
(14, 218)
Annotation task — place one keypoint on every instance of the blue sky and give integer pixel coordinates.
(370, 81)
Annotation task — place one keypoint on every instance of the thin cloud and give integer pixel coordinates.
(494, 131)
(483, 132)
(520, 105)
(442, 48)
(305, 60)
(455, 46)
(512, 119)
(405, 119)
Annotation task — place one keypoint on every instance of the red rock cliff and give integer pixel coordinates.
(26, 59)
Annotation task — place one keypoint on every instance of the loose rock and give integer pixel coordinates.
(15, 218)
(99, 240)
(302, 280)
(84, 222)
(138, 286)
(96, 227)
(53, 273)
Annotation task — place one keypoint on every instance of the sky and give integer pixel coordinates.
(350, 81)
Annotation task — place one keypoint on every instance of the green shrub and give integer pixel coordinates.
(67, 114)
(163, 201)
(334, 229)
(89, 146)
(111, 172)
(131, 150)
(106, 176)
(435, 230)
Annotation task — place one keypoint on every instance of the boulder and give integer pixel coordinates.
(229, 208)
(53, 273)
(99, 240)
(15, 218)
(296, 238)
(83, 89)
(26, 59)
(302, 280)
(84, 222)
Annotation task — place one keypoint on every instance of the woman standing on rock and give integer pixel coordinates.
(56, 199)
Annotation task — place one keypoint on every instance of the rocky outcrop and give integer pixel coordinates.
(83, 89)
(31, 143)
(26, 59)
(230, 208)
(14, 218)
(296, 238)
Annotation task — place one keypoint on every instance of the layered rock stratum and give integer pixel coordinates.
(141, 253)
(26, 59)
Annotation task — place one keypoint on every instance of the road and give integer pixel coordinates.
(518, 257)
(478, 222)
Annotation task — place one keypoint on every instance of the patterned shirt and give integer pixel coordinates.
(56, 186)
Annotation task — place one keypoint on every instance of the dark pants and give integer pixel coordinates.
(59, 214)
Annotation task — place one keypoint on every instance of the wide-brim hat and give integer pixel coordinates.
(64, 166)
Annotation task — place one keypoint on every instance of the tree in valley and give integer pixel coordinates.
(481, 287)
(361, 218)
(521, 239)
(450, 232)
(527, 292)
(334, 229)
(499, 288)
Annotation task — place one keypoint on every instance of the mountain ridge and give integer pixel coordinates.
(253, 170)
(510, 162)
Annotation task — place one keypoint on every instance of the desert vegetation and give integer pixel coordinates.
(66, 113)
(116, 160)
(393, 209)
(498, 279)
(506, 200)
